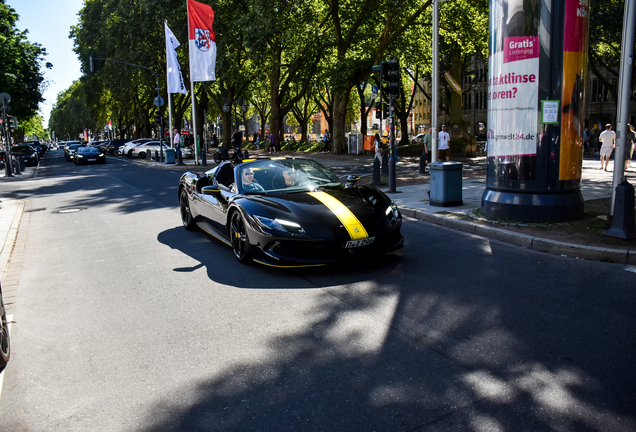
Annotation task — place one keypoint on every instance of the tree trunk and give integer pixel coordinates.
(340, 101)
(456, 98)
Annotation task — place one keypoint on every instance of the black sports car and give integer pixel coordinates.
(289, 212)
(88, 155)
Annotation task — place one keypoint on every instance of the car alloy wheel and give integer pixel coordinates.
(142, 155)
(186, 215)
(218, 158)
(5, 350)
(239, 239)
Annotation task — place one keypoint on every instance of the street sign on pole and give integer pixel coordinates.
(159, 101)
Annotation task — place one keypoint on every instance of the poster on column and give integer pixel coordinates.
(513, 94)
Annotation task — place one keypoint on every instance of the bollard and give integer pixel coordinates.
(623, 219)
(385, 163)
(157, 156)
(21, 163)
(16, 166)
(179, 157)
(204, 161)
(423, 165)
(376, 172)
(246, 155)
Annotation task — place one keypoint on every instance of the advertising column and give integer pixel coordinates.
(536, 109)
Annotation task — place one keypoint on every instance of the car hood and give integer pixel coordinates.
(326, 211)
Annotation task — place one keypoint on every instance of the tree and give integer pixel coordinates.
(21, 60)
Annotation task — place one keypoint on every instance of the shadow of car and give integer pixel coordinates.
(5, 346)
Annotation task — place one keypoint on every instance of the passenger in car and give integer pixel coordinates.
(249, 184)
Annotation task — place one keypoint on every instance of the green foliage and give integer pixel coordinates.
(22, 76)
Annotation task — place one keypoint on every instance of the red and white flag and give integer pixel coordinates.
(202, 42)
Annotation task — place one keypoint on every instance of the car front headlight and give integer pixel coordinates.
(392, 212)
(279, 225)
(79, 156)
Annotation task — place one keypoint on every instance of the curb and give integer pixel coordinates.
(539, 244)
(9, 241)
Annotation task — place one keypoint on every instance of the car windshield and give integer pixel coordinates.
(284, 176)
(87, 150)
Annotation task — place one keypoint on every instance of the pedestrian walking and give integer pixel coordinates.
(378, 147)
(586, 141)
(177, 142)
(444, 144)
(326, 139)
(257, 140)
(215, 142)
(272, 143)
(608, 140)
(427, 151)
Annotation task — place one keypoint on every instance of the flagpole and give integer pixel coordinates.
(194, 124)
(170, 120)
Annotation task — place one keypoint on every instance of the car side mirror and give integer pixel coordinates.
(211, 190)
(351, 181)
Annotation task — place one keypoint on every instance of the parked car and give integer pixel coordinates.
(289, 212)
(126, 150)
(37, 145)
(28, 153)
(145, 150)
(69, 149)
(114, 145)
(187, 152)
(85, 155)
(5, 346)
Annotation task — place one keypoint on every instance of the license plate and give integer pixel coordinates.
(91, 160)
(358, 243)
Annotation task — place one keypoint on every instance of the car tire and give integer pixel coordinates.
(218, 158)
(186, 214)
(239, 239)
(5, 346)
(142, 155)
(130, 153)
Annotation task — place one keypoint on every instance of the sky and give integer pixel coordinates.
(49, 23)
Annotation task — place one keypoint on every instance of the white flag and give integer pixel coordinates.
(174, 77)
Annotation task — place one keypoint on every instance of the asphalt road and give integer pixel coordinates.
(125, 321)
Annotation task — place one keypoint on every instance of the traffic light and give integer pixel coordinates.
(92, 64)
(158, 119)
(393, 76)
(378, 110)
(385, 110)
(379, 68)
(13, 124)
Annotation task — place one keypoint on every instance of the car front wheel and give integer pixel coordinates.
(5, 350)
(142, 155)
(186, 215)
(238, 237)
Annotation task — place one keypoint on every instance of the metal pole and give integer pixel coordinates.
(170, 120)
(435, 72)
(194, 125)
(8, 171)
(624, 85)
(392, 167)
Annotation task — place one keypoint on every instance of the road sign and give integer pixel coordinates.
(374, 89)
(159, 101)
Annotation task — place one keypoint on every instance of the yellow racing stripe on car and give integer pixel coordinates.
(348, 219)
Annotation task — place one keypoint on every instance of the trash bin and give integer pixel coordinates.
(169, 155)
(446, 184)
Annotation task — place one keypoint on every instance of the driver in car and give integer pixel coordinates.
(290, 177)
(249, 184)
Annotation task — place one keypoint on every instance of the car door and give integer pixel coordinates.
(213, 208)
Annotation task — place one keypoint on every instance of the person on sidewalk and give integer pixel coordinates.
(444, 148)
(378, 147)
(272, 143)
(177, 142)
(608, 140)
(629, 147)
(428, 151)
(326, 139)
